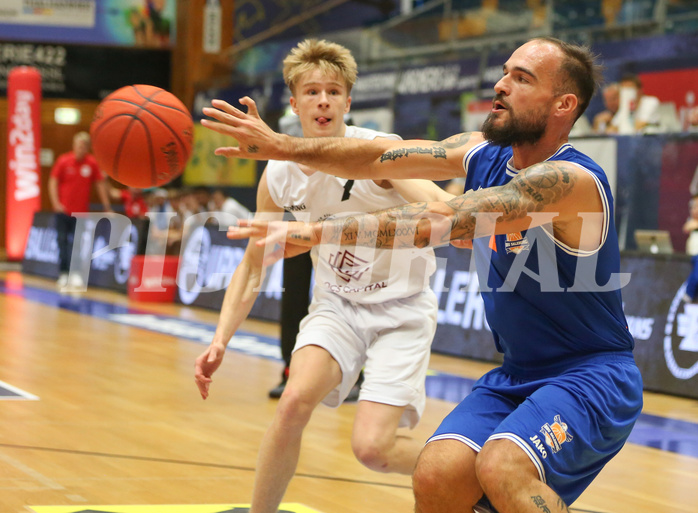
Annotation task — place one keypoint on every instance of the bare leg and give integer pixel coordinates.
(376, 443)
(511, 481)
(445, 480)
(313, 374)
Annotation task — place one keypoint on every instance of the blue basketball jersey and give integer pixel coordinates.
(549, 306)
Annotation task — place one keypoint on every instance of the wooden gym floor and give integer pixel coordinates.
(115, 419)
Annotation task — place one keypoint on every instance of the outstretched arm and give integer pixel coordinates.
(560, 189)
(380, 158)
(239, 297)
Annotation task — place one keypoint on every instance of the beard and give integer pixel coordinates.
(516, 131)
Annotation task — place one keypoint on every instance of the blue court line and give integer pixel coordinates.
(662, 433)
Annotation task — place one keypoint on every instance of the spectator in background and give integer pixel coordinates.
(691, 228)
(133, 199)
(641, 111)
(203, 196)
(693, 119)
(611, 100)
(189, 204)
(157, 200)
(220, 202)
(69, 187)
(175, 227)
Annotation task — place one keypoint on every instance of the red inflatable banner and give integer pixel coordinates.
(23, 167)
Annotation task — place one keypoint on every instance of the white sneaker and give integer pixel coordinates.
(62, 280)
(75, 284)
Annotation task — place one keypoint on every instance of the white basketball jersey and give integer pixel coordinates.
(359, 274)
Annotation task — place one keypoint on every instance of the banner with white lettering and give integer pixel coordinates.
(108, 269)
(24, 143)
(85, 72)
(206, 264)
(664, 326)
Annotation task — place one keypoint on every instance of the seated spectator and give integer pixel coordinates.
(693, 119)
(220, 202)
(601, 123)
(637, 112)
(133, 200)
(691, 228)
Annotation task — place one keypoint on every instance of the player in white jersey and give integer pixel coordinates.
(370, 309)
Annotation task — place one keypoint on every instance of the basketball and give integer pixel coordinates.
(142, 136)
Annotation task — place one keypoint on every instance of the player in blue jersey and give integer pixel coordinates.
(536, 431)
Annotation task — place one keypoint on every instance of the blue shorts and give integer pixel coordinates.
(569, 425)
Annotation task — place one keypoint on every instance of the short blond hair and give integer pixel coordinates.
(82, 136)
(329, 58)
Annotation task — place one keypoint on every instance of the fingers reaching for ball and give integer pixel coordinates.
(255, 139)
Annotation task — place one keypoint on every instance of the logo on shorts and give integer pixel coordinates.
(347, 265)
(556, 434)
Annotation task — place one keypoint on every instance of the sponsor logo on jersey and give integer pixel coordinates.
(516, 243)
(347, 265)
(295, 208)
(681, 337)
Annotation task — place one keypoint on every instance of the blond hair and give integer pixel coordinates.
(329, 58)
(82, 136)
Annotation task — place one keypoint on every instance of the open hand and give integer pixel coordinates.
(281, 239)
(256, 140)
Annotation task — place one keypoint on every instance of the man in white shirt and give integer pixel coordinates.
(642, 111)
(220, 202)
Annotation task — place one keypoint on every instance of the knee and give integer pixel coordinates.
(435, 474)
(372, 453)
(294, 408)
(500, 465)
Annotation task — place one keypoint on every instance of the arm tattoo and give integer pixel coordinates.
(540, 502)
(532, 190)
(455, 141)
(398, 227)
(436, 149)
(543, 506)
(438, 152)
(252, 148)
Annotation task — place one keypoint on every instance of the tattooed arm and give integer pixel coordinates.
(550, 191)
(380, 158)
(545, 192)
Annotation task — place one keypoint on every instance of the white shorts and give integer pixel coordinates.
(390, 341)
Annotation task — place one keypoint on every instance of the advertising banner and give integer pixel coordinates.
(23, 196)
(108, 269)
(85, 72)
(143, 23)
(664, 326)
(206, 264)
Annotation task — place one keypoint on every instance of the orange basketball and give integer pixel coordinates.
(142, 136)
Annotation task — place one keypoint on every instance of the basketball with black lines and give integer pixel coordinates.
(142, 136)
